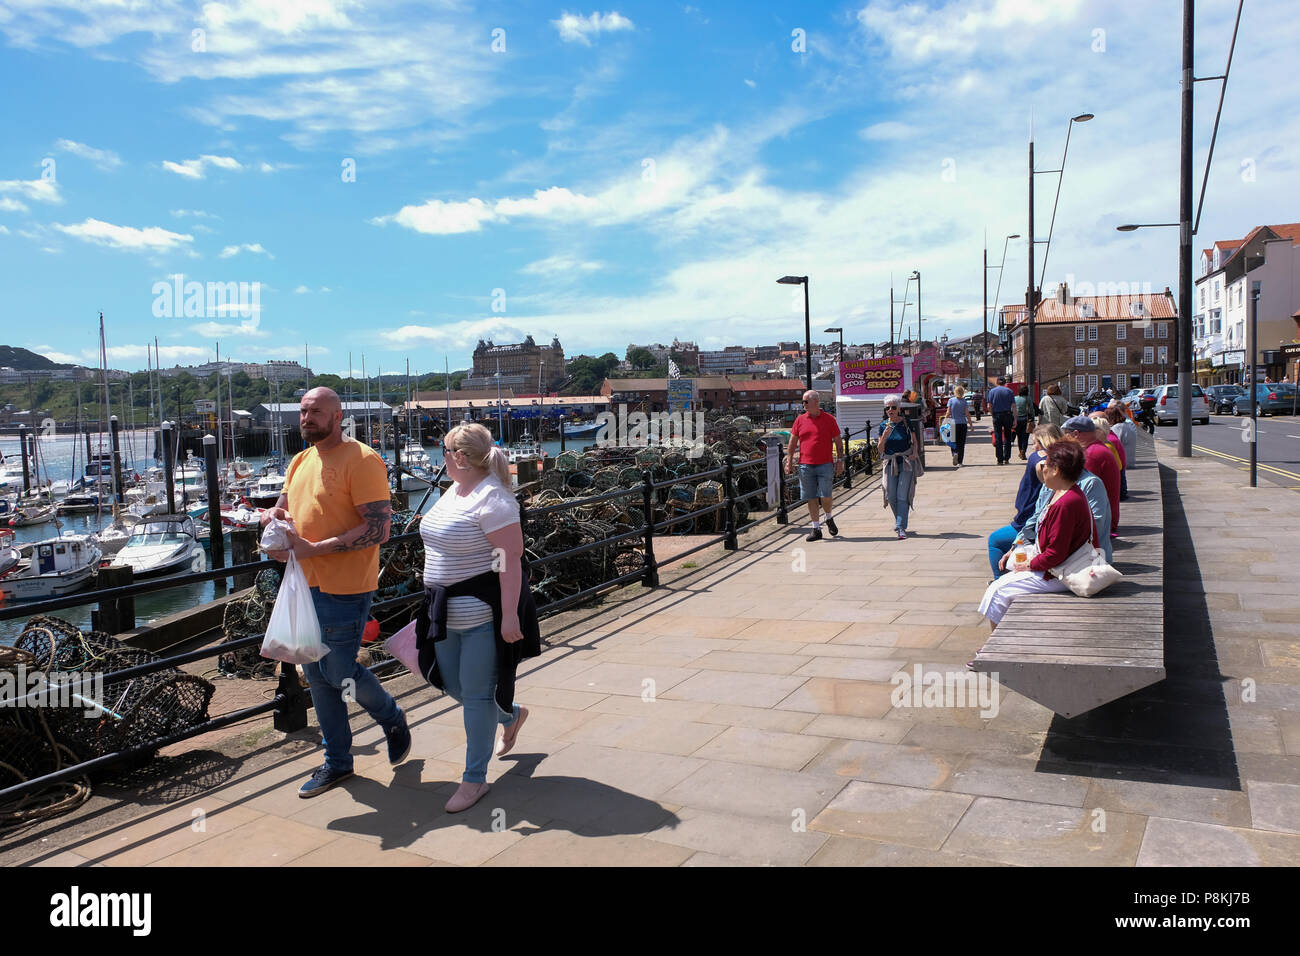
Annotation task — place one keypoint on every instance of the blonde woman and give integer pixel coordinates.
(479, 612)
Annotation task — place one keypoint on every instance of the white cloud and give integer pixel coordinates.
(195, 213)
(955, 30)
(37, 190)
(197, 168)
(560, 265)
(56, 356)
(575, 28)
(888, 130)
(253, 247)
(556, 202)
(149, 239)
(325, 289)
(171, 354)
(301, 290)
(453, 335)
(4, 230)
(103, 158)
(248, 327)
(439, 218)
(751, 84)
(11, 205)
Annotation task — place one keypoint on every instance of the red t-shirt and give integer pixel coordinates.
(816, 437)
(1099, 460)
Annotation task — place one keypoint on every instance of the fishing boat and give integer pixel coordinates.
(581, 429)
(48, 568)
(162, 544)
(80, 502)
(524, 448)
(25, 516)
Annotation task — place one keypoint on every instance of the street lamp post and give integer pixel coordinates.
(1032, 293)
(807, 330)
(1254, 391)
(917, 276)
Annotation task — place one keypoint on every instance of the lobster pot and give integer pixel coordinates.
(708, 493)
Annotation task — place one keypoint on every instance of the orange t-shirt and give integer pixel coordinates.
(324, 491)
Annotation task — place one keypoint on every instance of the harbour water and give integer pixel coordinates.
(57, 463)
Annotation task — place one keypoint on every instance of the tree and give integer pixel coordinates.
(641, 358)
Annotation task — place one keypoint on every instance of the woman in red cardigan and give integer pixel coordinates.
(1064, 528)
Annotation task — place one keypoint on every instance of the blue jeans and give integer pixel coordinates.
(467, 661)
(815, 480)
(898, 488)
(1000, 542)
(337, 678)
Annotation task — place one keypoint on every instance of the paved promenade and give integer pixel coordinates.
(742, 714)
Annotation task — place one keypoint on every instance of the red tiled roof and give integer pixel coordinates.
(766, 385)
(1107, 308)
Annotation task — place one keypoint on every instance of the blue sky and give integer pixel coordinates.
(624, 173)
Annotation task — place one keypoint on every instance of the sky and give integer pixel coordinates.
(399, 180)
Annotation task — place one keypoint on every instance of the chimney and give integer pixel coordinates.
(1063, 294)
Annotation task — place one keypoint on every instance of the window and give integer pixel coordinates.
(1121, 332)
(1164, 355)
(1148, 380)
(1078, 333)
(1216, 291)
(1216, 325)
(1092, 333)
(1121, 356)
(1148, 332)
(1148, 355)
(1162, 379)
(1162, 330)
(1080, 384)
(1078, 358)
(1092, 383)
(1092, 356)
(1202, 298)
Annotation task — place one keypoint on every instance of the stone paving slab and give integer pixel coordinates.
(744, 713)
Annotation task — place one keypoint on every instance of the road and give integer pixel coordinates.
(1278, 452)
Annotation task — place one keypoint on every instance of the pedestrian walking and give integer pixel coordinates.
(815, 435)
(958, 409)
(900, 462)
(1024, 420)
(1000, 403)
(479, 615)
(1066, 525)
(1053, 409)
(336, 494)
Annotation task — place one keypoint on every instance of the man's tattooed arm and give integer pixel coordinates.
(376, 519)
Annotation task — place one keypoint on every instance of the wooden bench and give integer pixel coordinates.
(1072, 654)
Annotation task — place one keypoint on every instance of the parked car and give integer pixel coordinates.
(1222, 397)
(1166, 397)
(1277, 398)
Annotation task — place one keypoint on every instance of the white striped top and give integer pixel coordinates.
(456, 547)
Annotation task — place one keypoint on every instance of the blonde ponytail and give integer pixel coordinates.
(498, 463)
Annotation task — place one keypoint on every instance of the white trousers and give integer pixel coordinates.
(999, 595)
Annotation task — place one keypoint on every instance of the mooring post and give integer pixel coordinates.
(216, 541)
(729, 528)
(651, 577)
(848, 469)
(782, 516)
(243, 549)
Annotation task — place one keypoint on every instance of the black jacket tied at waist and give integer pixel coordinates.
(431, 627)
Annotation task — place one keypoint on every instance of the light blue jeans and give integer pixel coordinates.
(898, 489)
(467, 661)
(337, 678)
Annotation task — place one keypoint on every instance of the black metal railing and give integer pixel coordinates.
(289, 703)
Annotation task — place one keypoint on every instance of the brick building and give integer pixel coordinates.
(1103, 341)
(757, 396)
(519, 365)
(651, 394)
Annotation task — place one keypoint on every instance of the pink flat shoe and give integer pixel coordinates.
(466, 796)
(509, 734)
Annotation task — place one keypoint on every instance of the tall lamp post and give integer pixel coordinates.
(917, 276)
(807, 331)
(831, 331)
(1032, 293)
(1015, 235)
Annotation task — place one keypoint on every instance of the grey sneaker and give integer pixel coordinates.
(322, 780)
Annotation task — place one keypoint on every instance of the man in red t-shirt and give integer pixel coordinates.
(1098, 460)
(813, 435)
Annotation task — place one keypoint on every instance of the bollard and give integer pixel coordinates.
(848, 465)
(243, 549)
(782, 516)
(110, 618)
(169, 463)
(870, 444)
(729, 529)
(216, 540)
(651, 577)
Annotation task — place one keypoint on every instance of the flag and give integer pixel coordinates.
(673, 370)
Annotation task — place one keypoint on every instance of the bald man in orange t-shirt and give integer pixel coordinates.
(336, 494)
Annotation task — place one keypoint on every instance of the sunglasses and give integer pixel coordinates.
(892, 408)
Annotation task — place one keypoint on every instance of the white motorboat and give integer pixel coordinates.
(267, 491)
(162, 544)
(48, 568)
(9, 556)
(241, 517)
(114, 537)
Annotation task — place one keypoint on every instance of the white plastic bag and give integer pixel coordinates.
(274, 537)
(293, 632)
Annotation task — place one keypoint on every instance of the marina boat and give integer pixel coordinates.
(524, 449)
(267, 491)
(98, 470)
(48, 568)
(241, 517)
(581, 429)
(162, 544)
(27, 515)
(80, 502)
(114, 537)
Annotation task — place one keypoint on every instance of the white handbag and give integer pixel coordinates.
(1086, 572)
